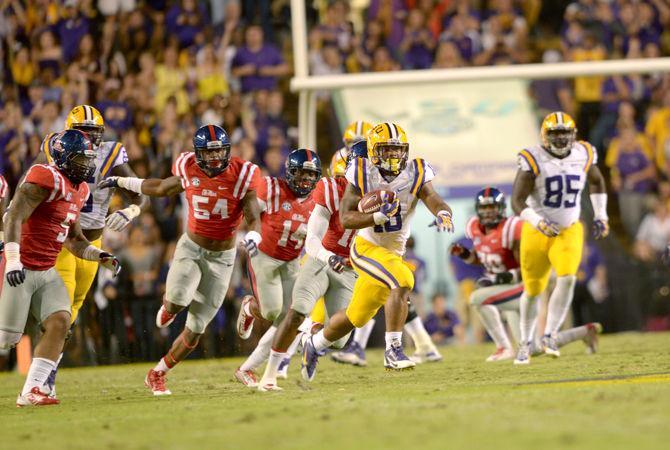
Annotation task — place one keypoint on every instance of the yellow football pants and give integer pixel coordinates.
(379, 270)
(78, 275)
(319, 312)
(540, 253)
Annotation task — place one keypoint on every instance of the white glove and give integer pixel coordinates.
(251, 241)
(120, 219)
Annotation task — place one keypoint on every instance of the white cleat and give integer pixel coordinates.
(550, 345)
(395, 359)
(164, 318)
(155, 380)
(247, 378)
(269, 386)
(432, 355)
(282, 370)
(245, 322)
(501, 354)
(35, 398)
(523, 355)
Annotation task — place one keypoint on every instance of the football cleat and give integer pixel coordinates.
(501, 354)
(352, 354)
(523, 355)
(155, 380)
(269, 386)
(51, 383)
(164, 318)
(282, 370)
(395, 359)
(550, 345)
(430, 356)
(247, 378)
(591, 338)
(245, 322)
(310, 358)
(35, 398)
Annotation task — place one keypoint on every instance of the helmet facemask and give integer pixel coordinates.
(94, 132)
(79, 167)
(213, 159)
(489, 212)
(391, 158)
(302, 181)
(560, 140)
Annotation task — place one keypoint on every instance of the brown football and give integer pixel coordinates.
(372, 201)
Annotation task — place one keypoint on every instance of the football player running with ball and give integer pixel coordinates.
(496, 242)
(220, 190)
(547, 196)
(42, 218)
(286, 206)
(377, 250)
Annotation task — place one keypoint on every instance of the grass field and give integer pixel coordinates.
(617, 399)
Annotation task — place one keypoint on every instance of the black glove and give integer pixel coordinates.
(504, 278)
(338, 263)
(16, 277)
(459, 251)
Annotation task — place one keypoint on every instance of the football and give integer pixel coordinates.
(372, 201)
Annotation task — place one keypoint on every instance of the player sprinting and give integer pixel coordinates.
(326, 271)
(42, 218)
(220, 190)
(111, 159)
(376, 253)
(547, 196)
(496, 242)
(286, 206)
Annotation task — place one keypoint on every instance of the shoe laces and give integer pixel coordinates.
(158, 380)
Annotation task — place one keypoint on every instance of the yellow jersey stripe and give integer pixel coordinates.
(589, 151)
(360, 175)
(525, 154)
(419, 176)
(46, 148)
(110, 160)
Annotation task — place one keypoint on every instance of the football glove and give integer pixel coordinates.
(484, 282)
(459, 251)
(548, 228)
(109, 261)
(250, 243)
(601, 229)
(444, 222)
(120, 219)
(14, 270)
(338, 263)
(387, 210)
(108, 183)
(504, 278)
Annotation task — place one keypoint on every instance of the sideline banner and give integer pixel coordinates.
(469, 131)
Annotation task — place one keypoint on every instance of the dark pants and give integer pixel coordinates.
(143, 312)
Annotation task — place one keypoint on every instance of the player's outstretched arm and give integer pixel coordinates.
(80, 247)
(598, 195)
(28, 197)
(120, 219)
(436, 205)
(350, 217)
(252, 218)
(153, 187)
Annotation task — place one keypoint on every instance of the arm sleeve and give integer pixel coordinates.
(317, 226)
(321, 196)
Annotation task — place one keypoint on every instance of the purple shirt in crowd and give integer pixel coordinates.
(444, 324)
(630, 162)
(70, 32)
(268, 55)
(185, 32)
(587, 268)
(418, 56)
(118, 115)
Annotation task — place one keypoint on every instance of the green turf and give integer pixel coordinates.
(617, 399)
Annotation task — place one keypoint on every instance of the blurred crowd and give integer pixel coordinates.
(158, 69)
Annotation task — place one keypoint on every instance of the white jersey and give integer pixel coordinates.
(366, 177)
(109, 155)
(559, 182)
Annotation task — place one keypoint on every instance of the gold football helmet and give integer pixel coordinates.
(388, 148)
(558, 133)
(355, 131)
(87, 119)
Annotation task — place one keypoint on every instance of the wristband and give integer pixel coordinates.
(12, 252)
(599, 203)
(253, 236)
(530, 216)
(380, 218)
(324, 255)
(131, 184)
(91, 253)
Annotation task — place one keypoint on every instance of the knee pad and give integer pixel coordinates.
(194, 323)
(9, 339)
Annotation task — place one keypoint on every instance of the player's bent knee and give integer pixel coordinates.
(58, 322)
(178, 296)
(9, 339)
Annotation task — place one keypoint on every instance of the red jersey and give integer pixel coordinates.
(328, 193)
(215, 204)
(4, 188)
(494, 249)
(284, 221)
(43, 234)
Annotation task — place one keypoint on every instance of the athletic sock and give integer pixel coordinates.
(571, 335)
(320, 342)
(261, 352)
(51, 379)
(40, 368)
(559, 303)
(491, 319)
(392, 338)
(270, 374)
(362, 334)
(290, 351)
(512, 319)
(162, 365)
(422, 341)
(527, 316)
